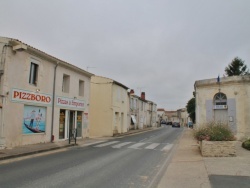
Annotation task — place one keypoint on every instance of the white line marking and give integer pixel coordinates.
(143, 140)
(136, 146)
(152, 146)
(107, 144)
(167, 147)
(89, 144)
(122, 144)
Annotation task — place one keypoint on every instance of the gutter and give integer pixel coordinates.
(53, 103)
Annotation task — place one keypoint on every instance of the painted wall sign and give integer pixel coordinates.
(19, 95)
(70, 103)
(34, 120)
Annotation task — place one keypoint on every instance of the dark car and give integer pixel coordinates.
(169, 123)
(176, 124)
(163, 122)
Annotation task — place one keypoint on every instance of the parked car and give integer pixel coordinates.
(176, 124)
(169, 123)
(190, 124)
(163, 122)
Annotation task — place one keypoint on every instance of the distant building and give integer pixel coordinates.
(183, 116)
(108, 107)
(226, 101)
(172, 116)
(143, 112)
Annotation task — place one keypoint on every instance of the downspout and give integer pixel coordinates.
(53, 103)
(151, 118)
(2, 65)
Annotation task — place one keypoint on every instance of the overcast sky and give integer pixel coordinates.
(160, 47)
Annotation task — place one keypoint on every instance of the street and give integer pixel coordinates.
(132, 161)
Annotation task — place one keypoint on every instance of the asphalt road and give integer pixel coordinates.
(132, 161)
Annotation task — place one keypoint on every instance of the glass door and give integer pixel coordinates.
(62, 124)
(79, 124)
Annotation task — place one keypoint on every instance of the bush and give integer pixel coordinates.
(214, 131)
(246, 144)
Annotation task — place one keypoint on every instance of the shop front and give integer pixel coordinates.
(71, 117)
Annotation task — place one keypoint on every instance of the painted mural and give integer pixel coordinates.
(34, 120)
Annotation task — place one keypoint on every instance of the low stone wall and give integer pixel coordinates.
(218, 148)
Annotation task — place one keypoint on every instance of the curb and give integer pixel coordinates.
(135, 132)
(35, 152)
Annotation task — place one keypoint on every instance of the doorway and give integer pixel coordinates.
(68, 121)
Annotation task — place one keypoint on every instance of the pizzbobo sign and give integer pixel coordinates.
(32, 97)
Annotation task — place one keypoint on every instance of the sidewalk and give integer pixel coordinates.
(189, 169)
(43, 147)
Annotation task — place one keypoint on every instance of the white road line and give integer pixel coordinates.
(93, 143)
(107, 144)
(143, 140)
(136, 146)
(167, 147)
(122, 144)
(152, 146)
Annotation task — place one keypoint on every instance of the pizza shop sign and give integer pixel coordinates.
(70, 103)
(19, 95)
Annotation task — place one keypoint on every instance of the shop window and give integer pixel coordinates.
(33, 73)
(81, 88)
(65, 84)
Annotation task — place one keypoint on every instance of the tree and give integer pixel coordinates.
(191, 109)
(236, 68)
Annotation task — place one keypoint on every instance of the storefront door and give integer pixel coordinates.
(70, 120)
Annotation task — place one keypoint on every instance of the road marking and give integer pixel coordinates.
(107, 144)
(98, 142)
(122, 144)
(143, 140)
(136, 146)
(152, 146)
(167, 147)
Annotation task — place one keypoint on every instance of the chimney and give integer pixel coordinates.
(131, 92)
(143, 95)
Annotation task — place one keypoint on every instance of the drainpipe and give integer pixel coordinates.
(53, 103)
(2, 65)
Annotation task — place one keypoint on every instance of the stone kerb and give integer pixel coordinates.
(218, 148)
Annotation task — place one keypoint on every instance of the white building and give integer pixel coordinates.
(42, 97)
(227, 101)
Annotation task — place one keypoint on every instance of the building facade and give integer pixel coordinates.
(134, 110)
(226, 100)
(183, 116)
(108, 107)
(42, 98)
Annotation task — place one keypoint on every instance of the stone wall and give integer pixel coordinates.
(218, 148)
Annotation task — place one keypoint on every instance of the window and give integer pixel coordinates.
(81, 88)
(135, 103)
(33, 73)
(142, 105)
(65, 84)
(220, 99)
(131, 103)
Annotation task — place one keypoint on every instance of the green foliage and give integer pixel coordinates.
(236, 68)
(214, 131)
(191, 109)
(246, 144)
